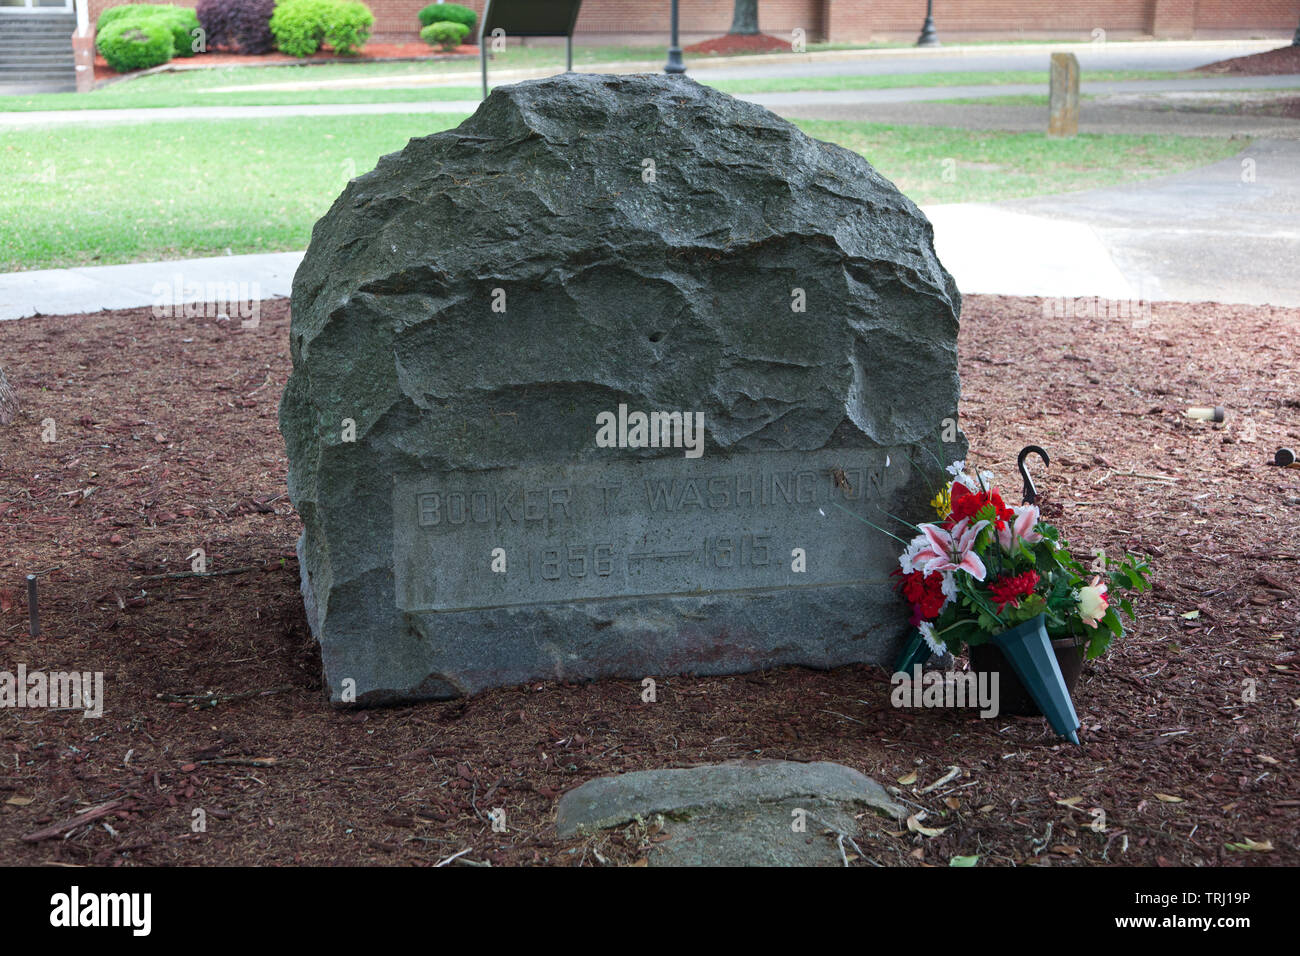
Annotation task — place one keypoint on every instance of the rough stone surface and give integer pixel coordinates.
(8, 400)
(664, 292)
(732, 814)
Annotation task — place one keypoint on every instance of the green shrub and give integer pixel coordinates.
(113, 14)
(348, 26)
(448, 13)
(447, 35)
(298, 26)
(133, 44)
(301, 26)
(181, 21)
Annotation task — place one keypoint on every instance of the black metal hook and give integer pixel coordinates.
(1031, 493)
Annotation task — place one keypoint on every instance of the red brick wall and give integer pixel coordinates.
(845, 21)
(1246, 14)
(1174, 18)
(990, 18)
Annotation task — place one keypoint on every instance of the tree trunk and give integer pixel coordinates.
(745, 18)
(8, 400)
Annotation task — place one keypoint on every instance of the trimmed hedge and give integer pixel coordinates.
(298, 27)
(243, 25)
(445, 34)
(113, 14)
(135, 44)
(348, 27)
(448, 13)
(301, 26)
(181, 21)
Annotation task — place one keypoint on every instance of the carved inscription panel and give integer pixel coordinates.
(660, 527)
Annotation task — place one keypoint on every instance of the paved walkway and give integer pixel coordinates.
(1095, 116)
(1139, 55)
(862, 105)
(1228, 232)
(64, 291)
(1202, 235)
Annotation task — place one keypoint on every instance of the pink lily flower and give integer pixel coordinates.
(951, 550)
(1023, 528)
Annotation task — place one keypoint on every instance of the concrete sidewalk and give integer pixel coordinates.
(1123, 55)
(1101, 117)
(810, 104)
(65, 291)
(1229, 232)
(1211, 234)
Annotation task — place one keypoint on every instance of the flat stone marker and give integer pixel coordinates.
(740, 813)
(600, 384)
(1063, 100)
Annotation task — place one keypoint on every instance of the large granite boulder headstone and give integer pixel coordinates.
(479, 318)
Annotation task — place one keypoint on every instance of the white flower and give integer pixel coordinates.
(958, 471)
(1092, 602)
(905, 560)
(949, 588)
(986, 477)
(932, 639)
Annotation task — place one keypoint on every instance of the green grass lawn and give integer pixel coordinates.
(94, 195)
(192, 87)
(987, 166)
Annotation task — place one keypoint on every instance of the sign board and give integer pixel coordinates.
(527, 18)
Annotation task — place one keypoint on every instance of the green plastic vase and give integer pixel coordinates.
(1029, 650)
(915, 651)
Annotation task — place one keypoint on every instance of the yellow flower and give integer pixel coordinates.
(942, 503)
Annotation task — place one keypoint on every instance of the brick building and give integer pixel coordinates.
(858, 21)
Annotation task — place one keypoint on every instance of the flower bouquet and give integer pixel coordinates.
(986, 572)
(984, 568)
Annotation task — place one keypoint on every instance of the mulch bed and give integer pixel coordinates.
(168, 441)
(1270, 63)
(217, 59)
(734, 43)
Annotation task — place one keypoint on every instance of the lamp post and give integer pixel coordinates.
(675, 64)
(927, 37)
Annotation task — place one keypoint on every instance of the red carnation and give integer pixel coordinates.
(924, 593)
(1009, 589)
(967, 504)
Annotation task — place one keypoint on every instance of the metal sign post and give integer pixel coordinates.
(527, 18)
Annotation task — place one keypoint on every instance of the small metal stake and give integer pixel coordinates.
(35, 626)
(1031, 493)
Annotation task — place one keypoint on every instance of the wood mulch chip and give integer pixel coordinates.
(1269, 63)
(167, 441)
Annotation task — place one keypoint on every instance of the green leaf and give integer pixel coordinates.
(1113, 623)
(963, 861)
(1098, 643)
